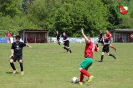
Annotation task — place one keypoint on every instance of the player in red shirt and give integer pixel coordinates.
(8, 35)
(109, 37)
(88, 60)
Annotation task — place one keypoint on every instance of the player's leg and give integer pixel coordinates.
(21, 65)
(58, 40)
(102, 56)
(91, 77)
(81, 78)
(112, 46)
(110, 54)
(84, 65)
(64, 46)
(68, 48)
(12, 65)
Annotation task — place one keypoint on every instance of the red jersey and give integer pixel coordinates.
(8, 35)
(109, 36)
(89, 49)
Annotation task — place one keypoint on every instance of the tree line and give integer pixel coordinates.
(62, 15)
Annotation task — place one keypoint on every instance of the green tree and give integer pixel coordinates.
(73, 15)
(10, 7)
(15, 24)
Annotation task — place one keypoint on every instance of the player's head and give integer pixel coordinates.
(56, 31)
(107, 31)
(64, 33)
(104, 35)
(18, 38)
(100, 31)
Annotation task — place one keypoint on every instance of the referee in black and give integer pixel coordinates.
(105, 48)
(66, 42)
(58, 37)
(16, 54)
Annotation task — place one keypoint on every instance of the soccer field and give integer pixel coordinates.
(49, 66)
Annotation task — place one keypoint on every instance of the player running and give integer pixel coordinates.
(66, 43)
(16, 54)
(109, 37)
(88, 59)
(105, 48)
(58, 37)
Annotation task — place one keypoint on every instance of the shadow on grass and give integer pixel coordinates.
(11, 73)
(65, 52)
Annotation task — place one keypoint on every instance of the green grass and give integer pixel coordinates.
(49, 66)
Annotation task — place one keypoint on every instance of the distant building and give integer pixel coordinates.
(122, 35)
(34, 35)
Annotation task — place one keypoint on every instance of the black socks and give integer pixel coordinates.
(12, 65)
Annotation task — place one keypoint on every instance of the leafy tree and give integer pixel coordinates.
(9, 7)
(73, 15)
(15, 24)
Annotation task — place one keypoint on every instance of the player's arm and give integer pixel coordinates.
(96, 48)
(101, 37)
(28, 45)
(12, 52)
(107, 43)
(87, 40)
(65, 39)
(60, 36)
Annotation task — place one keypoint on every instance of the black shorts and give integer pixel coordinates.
(16, 58)
(66, 43)
(105, 49)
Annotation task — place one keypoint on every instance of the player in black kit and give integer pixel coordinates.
(58, 37)
(105, 48)
(66, 43)
(100, 38)
(16, 54)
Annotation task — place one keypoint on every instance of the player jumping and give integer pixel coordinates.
(106, 44)
(88, 59)
(16, 54)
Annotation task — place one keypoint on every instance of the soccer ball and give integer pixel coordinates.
(74, 80)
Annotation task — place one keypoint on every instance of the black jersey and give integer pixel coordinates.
(58, 35)
(17, 47)
(101, 34)
(105, 41)
(65, 37)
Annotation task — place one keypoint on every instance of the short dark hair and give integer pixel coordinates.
(18, 37)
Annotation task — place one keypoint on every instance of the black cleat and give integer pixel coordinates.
(59, 43)
(114, 57)
(70, 51)
(100, 61)
(67, 50)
